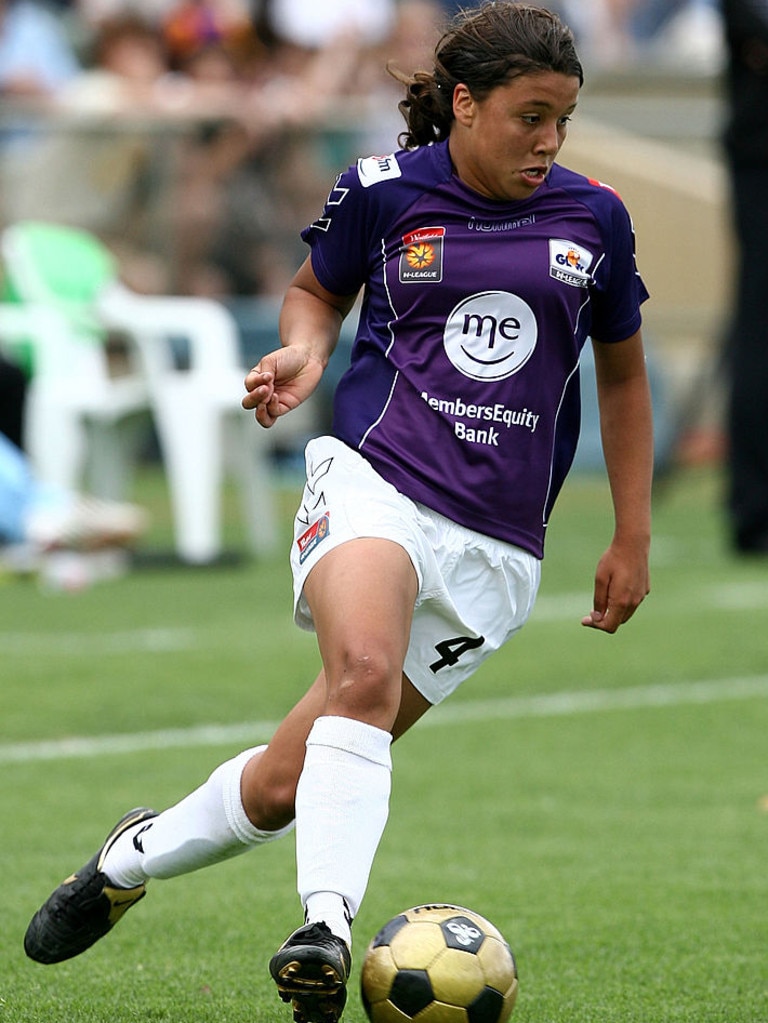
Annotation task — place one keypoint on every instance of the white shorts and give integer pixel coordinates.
(474, 592)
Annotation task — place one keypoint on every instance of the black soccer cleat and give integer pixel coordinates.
(311, 969)
(84, 907)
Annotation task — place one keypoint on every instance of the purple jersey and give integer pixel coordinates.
(463, 388)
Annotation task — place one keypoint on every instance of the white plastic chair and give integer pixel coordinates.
(202, 428)
(68, 277)
(79, 422)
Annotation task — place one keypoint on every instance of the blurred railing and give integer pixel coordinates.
(171, 190)
(149, 179)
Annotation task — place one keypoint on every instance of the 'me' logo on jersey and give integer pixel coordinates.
(421, 256)
(569, 263)
(491, 335)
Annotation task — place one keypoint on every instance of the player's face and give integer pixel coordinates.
(504, 145)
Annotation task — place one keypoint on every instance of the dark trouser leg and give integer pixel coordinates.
(748, 363)
(13, 390)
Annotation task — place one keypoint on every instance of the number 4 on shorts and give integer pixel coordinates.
(452, 649)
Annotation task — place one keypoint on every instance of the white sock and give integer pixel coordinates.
(342, 805)
(206, 827)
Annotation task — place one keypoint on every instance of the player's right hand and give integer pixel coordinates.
(280, 382)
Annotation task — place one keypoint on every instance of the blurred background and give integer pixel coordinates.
(188, 143)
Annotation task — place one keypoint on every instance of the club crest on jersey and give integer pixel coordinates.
(316, 533)
(421, 256)
(569, 263)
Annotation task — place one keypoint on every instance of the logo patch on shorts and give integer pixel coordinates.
(313, 536)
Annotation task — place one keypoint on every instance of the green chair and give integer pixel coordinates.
(80, 419)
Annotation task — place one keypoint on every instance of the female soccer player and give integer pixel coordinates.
(485, 266)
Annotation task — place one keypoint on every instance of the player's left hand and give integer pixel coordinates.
(622, 582)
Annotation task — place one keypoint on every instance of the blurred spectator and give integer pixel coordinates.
(312, 25)
(192, 27)
(36, 57)
(746, 149)
(135, 66)
(236, 108)
(684, 34)
(37, 60)
(127, 69)
(95, 12)
(648, 18)
(192, 114)
(251, 184)
(417, 27)
(409, 47)
(39, 521)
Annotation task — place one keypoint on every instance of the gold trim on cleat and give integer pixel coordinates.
(121, 900)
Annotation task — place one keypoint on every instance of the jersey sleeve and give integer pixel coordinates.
(618, 290)
(340, 237)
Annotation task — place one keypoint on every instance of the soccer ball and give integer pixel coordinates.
(438, 964)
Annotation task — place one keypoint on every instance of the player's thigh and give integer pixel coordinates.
(361, 595)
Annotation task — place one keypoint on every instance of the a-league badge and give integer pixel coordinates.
(421, 256)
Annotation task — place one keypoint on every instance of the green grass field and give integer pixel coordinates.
(604, 800)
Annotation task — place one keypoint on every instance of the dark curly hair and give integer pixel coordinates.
(483, 47)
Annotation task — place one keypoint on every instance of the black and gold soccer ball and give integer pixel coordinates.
(438, 964)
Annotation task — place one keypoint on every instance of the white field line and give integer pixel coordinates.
(568, 704)
(564, 704)
(95, 644)
(747, 596)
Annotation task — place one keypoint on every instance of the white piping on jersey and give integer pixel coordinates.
(383, 412)
(585, 303)
(554, 438)
(389, 296)
(582, 307)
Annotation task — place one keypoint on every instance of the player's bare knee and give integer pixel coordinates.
(367, 687)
